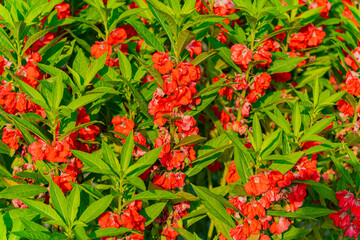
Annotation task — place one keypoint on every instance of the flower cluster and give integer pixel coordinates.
(348, 217)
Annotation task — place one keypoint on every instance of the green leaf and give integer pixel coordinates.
(154, 195)
(84, 100)
(208, 95)
(224, 53)
(295, 233)
(322, 189)
(296, 121)
(242, 157)
(34, 38)
(152, 72)
(188, 7)
(184, 233)
(164, 25)
(22, 191)
(125, 65)
(95, 209)
(28, 126)
(257, 132)
(340, 167)
(284, 163)
(95, 67)
(280, 121)
(73, 203)
(33, 93)
(43, 209)
(142, 164)
(59, 202)
(33, 226)
(317, 127)
(58, 91)
(7, 53)
(137, 182)
(125, 15)
(108, 232)
(193, 139)
(127, 151)
(144, 33)
(242, 164)
(285, 65)
(214, 206)
(92, 161)
(354, 161)
(270, 143)
(184, 38)
(140, 99)
(152, 212)
(2, 228)
(110, 158)
(80, 233)
(204, 56)
(32, 235)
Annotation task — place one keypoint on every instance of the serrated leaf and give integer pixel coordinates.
(127, 151)
(22, 191)
(214, 207)
(59, 201)
(144, 33)
(152, 212)
(154, 195)
(95, 209)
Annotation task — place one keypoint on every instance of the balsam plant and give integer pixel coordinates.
(179, 119)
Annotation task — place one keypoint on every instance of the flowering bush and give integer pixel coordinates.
(179, 119)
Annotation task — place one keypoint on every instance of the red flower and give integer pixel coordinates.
(286, 181)
(100, 48)
(170, 180)
(59, 152)
(262, 55)
(241, 55)
(38, 150)
(325, 6)
(240, 78)
(352, 83)
(240, 232)
(11, 137)
(355, 209)
(3, 63)
(162, 62)
(280, 36)
(186, 73)
(232, 175)
(352, 232)
(133, 220)
(215, 166)
(109, 220)
(348, 13)
(351, 62)
(258, 184)
(63, 10)
(262, 82)
(31, 73)
(253, 209)
(117, 36)
(194, 47)
(345, 107)
(123, 125)
(174, 159)
(341, 218)
(346, 199)
(64, 182)
(279, 227)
